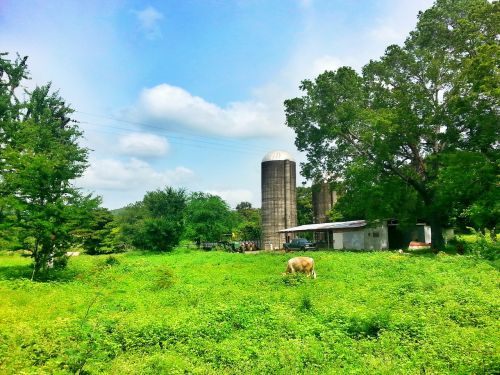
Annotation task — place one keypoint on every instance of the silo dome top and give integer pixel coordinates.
(277, 155)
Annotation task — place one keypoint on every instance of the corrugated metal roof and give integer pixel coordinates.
(326, 226)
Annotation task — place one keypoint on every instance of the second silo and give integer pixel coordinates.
(323, 199)
(279, 197)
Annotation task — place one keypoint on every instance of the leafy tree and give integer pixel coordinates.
(101, 235)
(390, 133)
(164, 225)
(40, 156)
(208, 217)
(304, 205)
(130, 220)
(471, 180)
(249, 222)
(156, 223)
(242, 206)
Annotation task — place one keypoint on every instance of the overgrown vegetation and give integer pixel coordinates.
(215, 313)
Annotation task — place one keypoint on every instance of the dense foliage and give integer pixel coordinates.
(39, 157)
(101, 235)
(415, 136)
(220, 313)
(208, 218)
(155, 223)
(164, 217)
(249, 222)
(304, 205)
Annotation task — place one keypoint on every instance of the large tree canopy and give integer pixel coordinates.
(39, 158)
(395, 135)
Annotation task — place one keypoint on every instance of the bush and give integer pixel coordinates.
(111, 261)
(165, 279)
(482, 247)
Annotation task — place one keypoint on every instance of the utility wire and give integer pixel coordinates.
(218, 141)
(177, 140)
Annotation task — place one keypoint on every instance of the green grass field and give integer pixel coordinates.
(215, 313)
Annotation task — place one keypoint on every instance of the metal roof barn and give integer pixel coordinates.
(326, 226)
(348, 235)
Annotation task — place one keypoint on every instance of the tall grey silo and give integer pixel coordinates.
(323, 199)
(279, 197)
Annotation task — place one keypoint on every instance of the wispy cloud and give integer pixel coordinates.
(149, 22)
(233, 197)
(143, 145)
(134, 174)
(394, 26)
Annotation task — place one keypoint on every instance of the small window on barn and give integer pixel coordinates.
(375, 234)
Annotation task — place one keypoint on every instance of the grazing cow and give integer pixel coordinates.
(301, 264)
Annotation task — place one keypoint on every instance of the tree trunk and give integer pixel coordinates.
(36, 262)
(437, 238)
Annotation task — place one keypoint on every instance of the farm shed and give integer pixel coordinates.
(352, 235)
(399, 238)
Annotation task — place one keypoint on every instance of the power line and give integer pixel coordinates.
(178, 140)
(218, 141)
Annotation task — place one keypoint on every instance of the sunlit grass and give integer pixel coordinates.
(215, 312)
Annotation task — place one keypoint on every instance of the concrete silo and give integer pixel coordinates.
(279, 197)
(323, 199)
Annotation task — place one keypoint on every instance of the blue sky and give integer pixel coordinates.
(190, 93)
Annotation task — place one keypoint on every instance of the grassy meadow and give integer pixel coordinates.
(222, 313)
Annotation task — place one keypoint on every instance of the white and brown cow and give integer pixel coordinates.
(301, 264)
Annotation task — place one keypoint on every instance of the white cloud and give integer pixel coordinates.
(233, 197)
(397, 22)
(323, 63)
(143, 144)
(149, 19)
(260, 116)
(112, 174)
(169, 105)
(386, 34)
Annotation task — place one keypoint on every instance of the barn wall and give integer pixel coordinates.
(354, 240)
(338, 241)
(377, 237)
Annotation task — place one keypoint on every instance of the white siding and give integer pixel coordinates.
(338, 241)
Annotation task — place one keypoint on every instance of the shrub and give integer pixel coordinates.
(165, 279)
(111, 261)
(482, 247)
(293, 279)
(306, 304)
